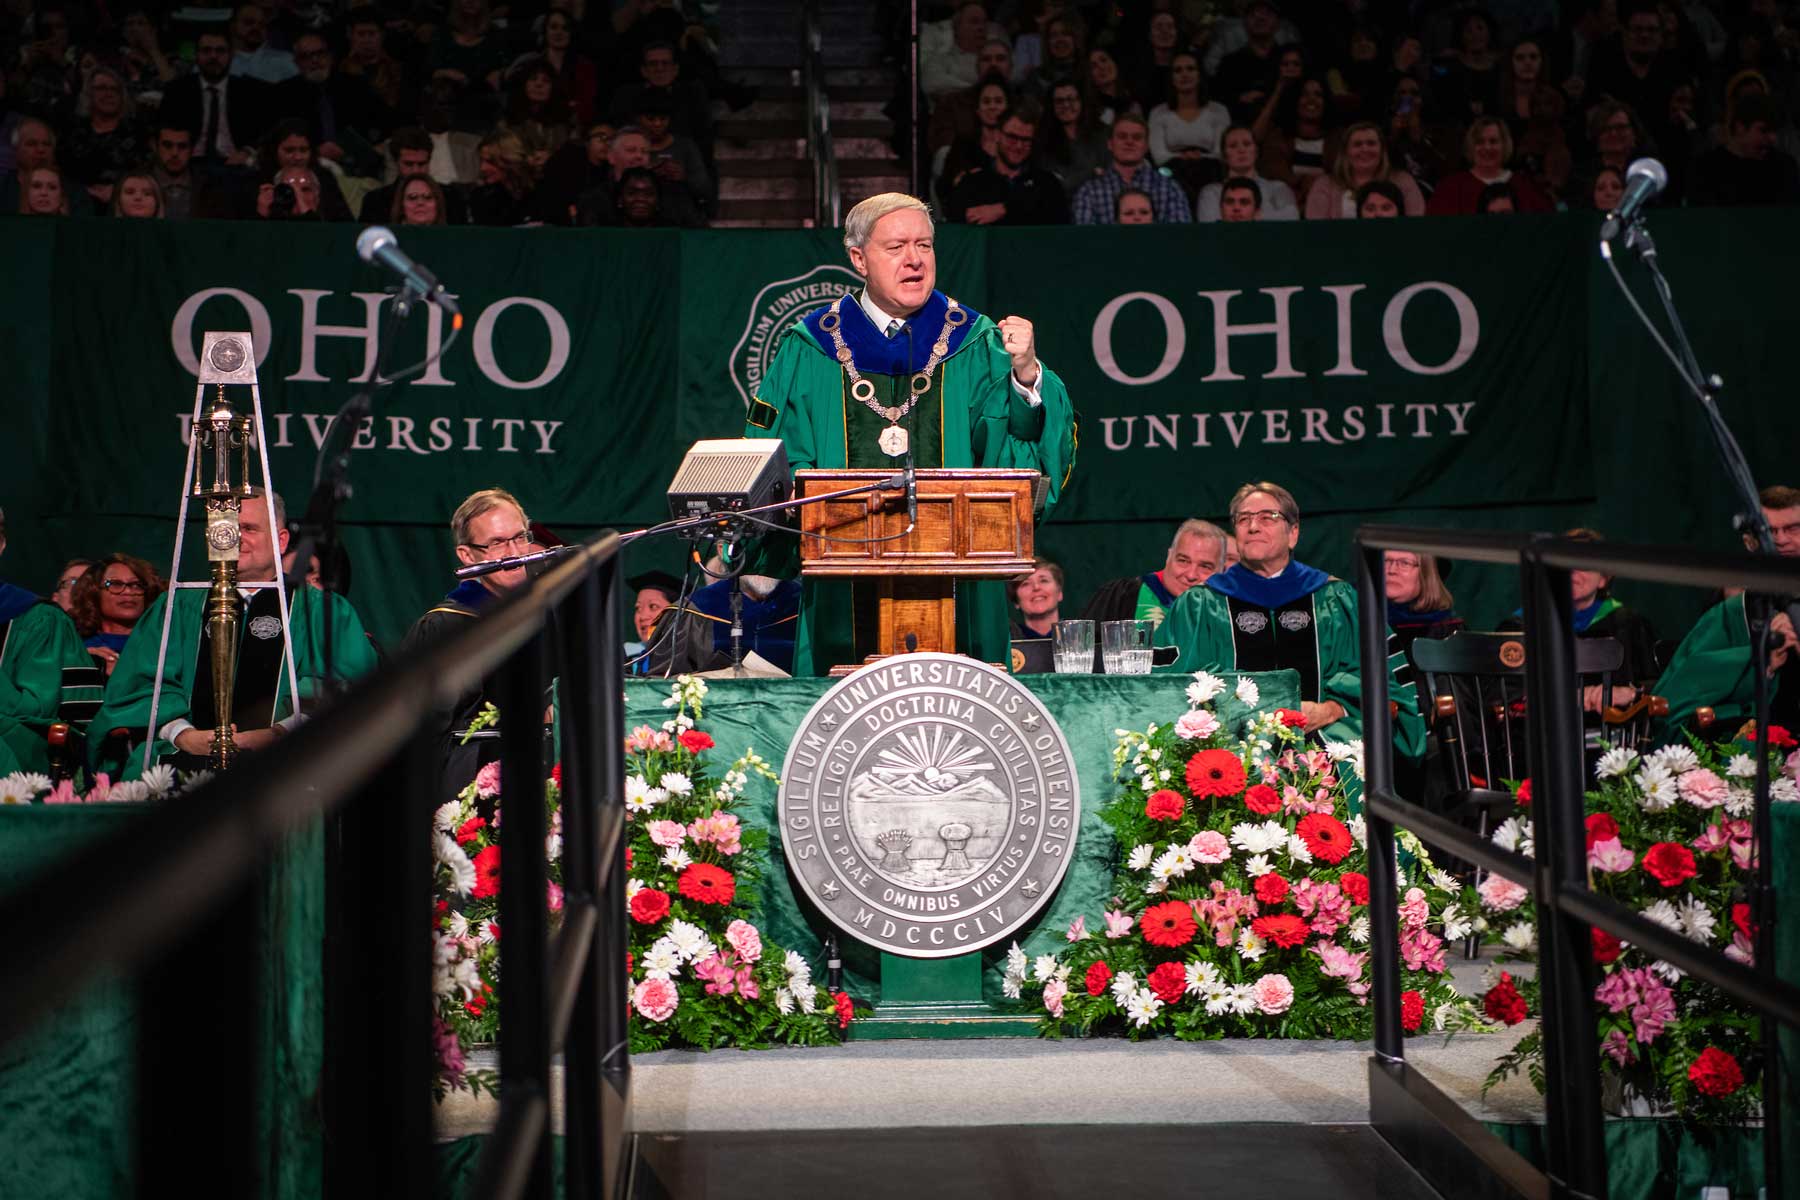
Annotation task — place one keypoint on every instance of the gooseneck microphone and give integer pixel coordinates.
(1644, 181)
(377, 244)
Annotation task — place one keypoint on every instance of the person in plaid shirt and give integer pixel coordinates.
(1096, 201)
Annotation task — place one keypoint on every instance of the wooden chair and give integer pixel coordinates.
(1472, 693)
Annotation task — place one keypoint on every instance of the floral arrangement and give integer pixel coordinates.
(1241, 906)
(700, 972)
(159, 782)
(1670, 835)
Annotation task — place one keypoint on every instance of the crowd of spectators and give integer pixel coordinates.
(425, 113)
(1168, 111)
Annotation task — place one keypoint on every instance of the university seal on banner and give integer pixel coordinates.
(929, 805)
(778, 305)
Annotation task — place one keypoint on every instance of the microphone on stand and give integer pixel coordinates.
(1645, 180)
(912, 483)
(377, 244)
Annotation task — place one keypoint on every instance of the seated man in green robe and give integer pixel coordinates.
(902, 373)
(1269, 612)
(1711, 667)
(46, 675)
(262, 708)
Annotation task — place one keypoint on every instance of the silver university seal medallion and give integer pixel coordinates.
(929, 805)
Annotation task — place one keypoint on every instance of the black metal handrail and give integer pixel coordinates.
(1429, 1128)
(170, 898)
(827, 197)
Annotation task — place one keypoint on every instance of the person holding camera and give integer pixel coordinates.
(293, 195)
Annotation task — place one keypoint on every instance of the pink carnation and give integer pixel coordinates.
(745, 940)
(487, 781)
(1611, 856)
(656, 999)
(1273, 993)
(1701, 788)
(666, 834)
(1054, 991)
(1501, 894)
(1209, 846)
(721, 829)
(1196, 725)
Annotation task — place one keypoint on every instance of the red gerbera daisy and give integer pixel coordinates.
(1170, 924)
(487, 873)
(1214, 774)
(1284, 929)
(1326, 837)
(708, 884)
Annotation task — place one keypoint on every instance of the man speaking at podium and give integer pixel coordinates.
(899, 373)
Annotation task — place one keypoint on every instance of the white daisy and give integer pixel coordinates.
(784, 1001)
(1173, 863)
(1218, 999)
(1444, 881)
(1520, 937)
(661, 960)
(459, 925)
(1676, 760)
(1140, 856)
(1249, 946)
(1514, 834)
(1202, 977)
(462, 871)
(1205, 687)
(1257, 866)
(1784, 791)
(1664, 914)
(132, 791)
(1142, 1006)
(1259, 839)
(1456, 923)
(1011, 986)
(1440, 1016)
(14, 791)
(1123, 984)
(1741, 766)
(1740, 802)
(1614, 763)
(1043, 968)
(640, 796)
(160, 778)
(807, 997)
(1359, 930)
(445, 816)
(1359, 829)
(1243, 998)
(1659, 790)
(632, 888)
(675, 783)
(1156, 887)
(690, 940)
(1297, 850)
(1697, 921)
(1349, 753)
(1247, 693)
(677, 859)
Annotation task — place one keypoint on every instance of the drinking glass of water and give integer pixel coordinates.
(1074, 648)
(1125, 646)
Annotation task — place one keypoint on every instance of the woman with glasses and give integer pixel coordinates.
(63, 594)
(1071, 141)
(108, 602)
(1418, 603)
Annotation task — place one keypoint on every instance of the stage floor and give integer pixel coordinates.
(1039, 1162)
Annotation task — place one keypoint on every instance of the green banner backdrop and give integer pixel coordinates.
(1470, 372)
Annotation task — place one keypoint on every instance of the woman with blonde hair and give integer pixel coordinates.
(1362, 158)
(42, 194)
(1488, 149)
(137, 195)
(505, 182)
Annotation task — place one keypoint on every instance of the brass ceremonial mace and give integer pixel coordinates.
(222, 432)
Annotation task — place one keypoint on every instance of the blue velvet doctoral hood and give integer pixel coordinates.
(878, 354)
(470, 593)
(1240, 583)
(14, 601)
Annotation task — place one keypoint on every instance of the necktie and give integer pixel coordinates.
(895, 326)
(209, 145)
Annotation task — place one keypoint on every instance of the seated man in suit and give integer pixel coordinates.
(230, 112)
(262, 708)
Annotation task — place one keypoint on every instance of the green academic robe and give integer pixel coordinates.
(128, 691)
(980, 421)
(41, 661)
(1199, 625)
(1711, 667)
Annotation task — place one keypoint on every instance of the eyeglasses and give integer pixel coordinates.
(122, 585)
(520, 540)
(63, 585)
(1250, 520)
(1022, 139)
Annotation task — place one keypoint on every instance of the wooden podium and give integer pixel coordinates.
(973, 523)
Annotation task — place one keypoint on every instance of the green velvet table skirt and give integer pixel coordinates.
(66, 1091)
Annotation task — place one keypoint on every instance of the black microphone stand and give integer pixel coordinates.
(318, 528)
(1758, 611)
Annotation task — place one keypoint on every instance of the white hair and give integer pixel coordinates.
(861, 221)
